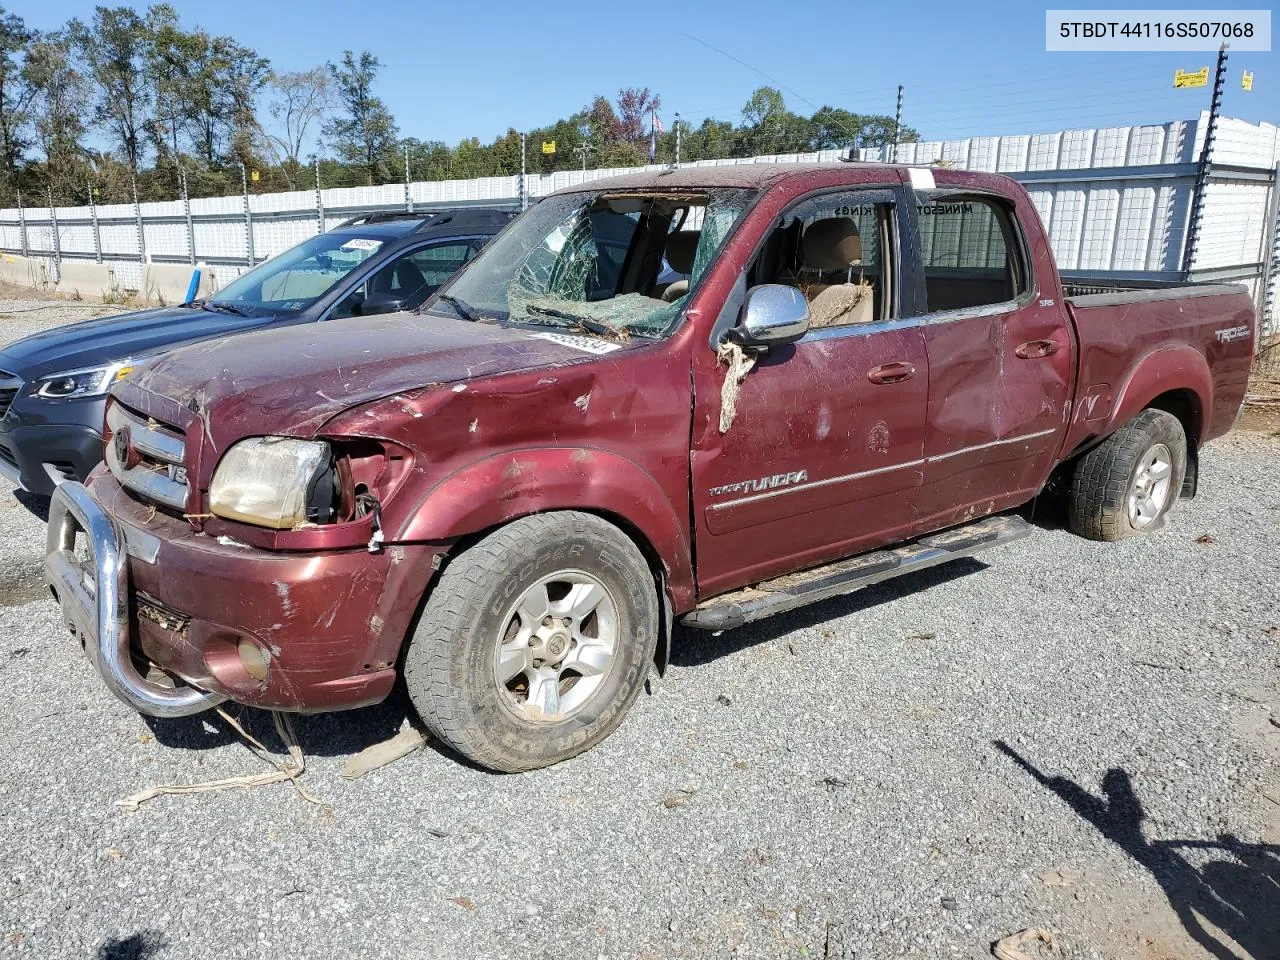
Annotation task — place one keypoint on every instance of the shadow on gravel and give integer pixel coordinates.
(37, 505)
(693, 648)
(1238, 892)
(322, 734)
(140, 946)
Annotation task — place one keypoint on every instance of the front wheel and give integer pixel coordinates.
(1126, 484)
(535, 641)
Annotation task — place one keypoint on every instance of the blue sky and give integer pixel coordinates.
(457, 69)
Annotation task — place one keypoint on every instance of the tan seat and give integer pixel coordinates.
(829, 245)
(682, 248)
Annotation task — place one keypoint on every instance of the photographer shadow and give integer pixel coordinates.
(1238, 892)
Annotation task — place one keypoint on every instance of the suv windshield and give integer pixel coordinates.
(617, 263)
(300, 276)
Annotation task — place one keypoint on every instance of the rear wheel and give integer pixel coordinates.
(535, 641)
(1127, 484)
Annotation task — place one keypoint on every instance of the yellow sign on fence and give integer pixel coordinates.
(548, 146)
(1246, 81)
(254, 176)
(1199, 78)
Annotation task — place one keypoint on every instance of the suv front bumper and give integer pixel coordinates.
(324, 629)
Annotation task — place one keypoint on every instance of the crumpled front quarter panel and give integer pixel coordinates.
(606, 433)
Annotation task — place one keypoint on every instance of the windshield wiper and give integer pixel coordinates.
(589, 324)
(464, 309)
(219, 306)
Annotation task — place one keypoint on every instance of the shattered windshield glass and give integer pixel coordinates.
(614, 264)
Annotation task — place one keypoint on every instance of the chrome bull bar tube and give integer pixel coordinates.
(98, 609)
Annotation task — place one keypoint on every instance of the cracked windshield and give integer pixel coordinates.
(614, 264)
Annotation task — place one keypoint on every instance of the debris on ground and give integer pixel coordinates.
(290, 772)
(724, 701)
(466, 903)
(1206, 538)
(679, 798)
(1011, 947)
(923, 635)
(1058, 878)
(833, 782)
(380, 754)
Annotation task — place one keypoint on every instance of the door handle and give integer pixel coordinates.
(895, 372)
(1035, 349)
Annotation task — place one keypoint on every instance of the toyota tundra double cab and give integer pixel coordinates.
(700, 395)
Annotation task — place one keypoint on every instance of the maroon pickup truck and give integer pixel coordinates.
(701, 395)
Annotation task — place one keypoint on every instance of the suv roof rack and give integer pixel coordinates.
(387, 216)
(433, 218)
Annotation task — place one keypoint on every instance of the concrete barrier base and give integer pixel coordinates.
(87, 281)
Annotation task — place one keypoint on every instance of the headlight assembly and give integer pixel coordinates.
(275, 482)
(89, 382)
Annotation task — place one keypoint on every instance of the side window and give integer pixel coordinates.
(408, 279)
(833, 248)
(971, 254)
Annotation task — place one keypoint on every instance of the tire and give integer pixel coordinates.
(522, 599)
(1118, 489)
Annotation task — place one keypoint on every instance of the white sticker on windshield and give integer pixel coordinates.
(585, 344)
(921, 178)
(360, 243)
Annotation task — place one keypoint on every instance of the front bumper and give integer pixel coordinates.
(38, 457)
(328, 625)
(96, 605)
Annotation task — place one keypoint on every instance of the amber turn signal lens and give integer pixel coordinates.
(255, 660)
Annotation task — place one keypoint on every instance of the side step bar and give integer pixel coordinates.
(845, 576)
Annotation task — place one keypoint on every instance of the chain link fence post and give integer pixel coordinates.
(97, 233)
(1205, 168)
(319, 200)
(408, 195)
(142, 237)
(1268, 325)
(248, 217)
(186, 209)
(22, 225)
(57, 240)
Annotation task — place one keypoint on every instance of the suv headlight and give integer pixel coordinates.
(89, 382)
(275, 482)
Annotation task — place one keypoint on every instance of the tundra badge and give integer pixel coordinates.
(764, 483)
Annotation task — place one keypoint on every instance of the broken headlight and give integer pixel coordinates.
(275, 482)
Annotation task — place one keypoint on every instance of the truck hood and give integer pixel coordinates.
(290, 381)
(105, 340)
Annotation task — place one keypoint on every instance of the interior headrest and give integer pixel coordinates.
(831, 244)
(681, 247)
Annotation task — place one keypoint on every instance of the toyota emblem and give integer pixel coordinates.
(120, 443)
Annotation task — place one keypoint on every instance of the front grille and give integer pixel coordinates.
(7, 456)
(10, 384)
(157, 454)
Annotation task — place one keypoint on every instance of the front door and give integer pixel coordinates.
(824, 455)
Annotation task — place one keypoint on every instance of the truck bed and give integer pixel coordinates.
(1130, 340)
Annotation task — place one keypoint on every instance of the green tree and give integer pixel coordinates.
(16, 94)
(58, 113)
(298, 101)
(365, 134)
(114, 47)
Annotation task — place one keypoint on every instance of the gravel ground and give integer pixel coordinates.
(827, 784)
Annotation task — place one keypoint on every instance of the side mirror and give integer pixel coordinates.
(381, 303)
(774, 314)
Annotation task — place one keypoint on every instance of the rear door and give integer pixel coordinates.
(1000, 357)
(824, 456)
(410, 276)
